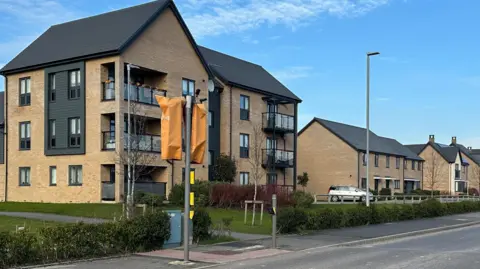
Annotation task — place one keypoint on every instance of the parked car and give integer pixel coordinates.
(348, 193)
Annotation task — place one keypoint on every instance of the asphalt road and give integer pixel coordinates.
(457, 249)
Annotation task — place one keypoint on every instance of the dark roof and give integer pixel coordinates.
(449, 153)
(476, 154)
(416, 148)
(98, 36)
(467, 152)
(244, 74)
(356, 138)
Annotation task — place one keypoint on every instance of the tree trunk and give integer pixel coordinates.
(254, 204)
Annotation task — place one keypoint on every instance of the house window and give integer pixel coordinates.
(364, 183)
(244, 178)
(53, 93)
(460, 186)
(25, 91)
(210, 157)
(53, 176)
(24, 176)
(244, 107)
(188, 87)
(419, 164)
(387, 183)
(397, 162)
(183, 173)
(405, 163)
(244, 145)
(272, 179)
(417, 185)
(25, 140)
(74, 84)
(52, 139)
(413, 165)
(397, 184)
(387, 161)
(75, 175)
(376, 159)
(74, 131)
(364, 159)
(210, 118)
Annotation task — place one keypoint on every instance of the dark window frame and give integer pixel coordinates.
(244, 174)
(76, 136)
(187, 92)
(244, 151)
(53, 167)
(413, 165)
(387, 161)
(397, 162)
(52, 90)
(70, 181)
(396, 184)
(377, 157)
(74, 89)
(25, 143)
(364, 159)
(405, 164)
(244, 111)
(363, 183)
(210, 119)
(29, 183)
(52, 133)
(25, 98)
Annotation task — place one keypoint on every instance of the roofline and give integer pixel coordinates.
(126, 44)
(443, 156)
(261, 91)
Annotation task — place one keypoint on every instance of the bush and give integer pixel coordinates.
(150, 199)
(292, 220)
(429, 209)
(302, 199)
(201, 225)
(473, 191)
(325, 218)
(224, 169)
(386, 191)
(229, 195)
(200, 188)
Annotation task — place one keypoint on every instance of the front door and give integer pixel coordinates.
(377, 183)
(408, 186)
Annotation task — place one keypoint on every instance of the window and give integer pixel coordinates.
(272, 179)
(210, 157)
(397, 184)
(210, 118)
(413, 165)
(364, 183)
(397, 162)
(244, 107)
(188, 87)
(74, 84)
(376, 159)
(53, 176)
(75, 175)
(244, 177)
(387, 161)
(24, 176)
(52, 92)
(52, 139)
(183, 173)
(417, 185)
(74, 131)
(419, 164)
(460, 186)
(25, 91)
(244, 145)
(25, 142)
(405, 163)
(387, 183)
(364, 159)
(271, 144)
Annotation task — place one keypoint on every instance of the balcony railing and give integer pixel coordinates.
(142, 95)
(108, 91)
(457, 174)
(281, 158)
(149, 143)
(278, 122)
(108, 140)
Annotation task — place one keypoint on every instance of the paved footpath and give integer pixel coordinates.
(52, 217)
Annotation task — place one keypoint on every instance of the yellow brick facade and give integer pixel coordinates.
(434, 161)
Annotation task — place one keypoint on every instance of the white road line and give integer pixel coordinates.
(249, 248)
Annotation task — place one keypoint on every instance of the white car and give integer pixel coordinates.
(336, 193)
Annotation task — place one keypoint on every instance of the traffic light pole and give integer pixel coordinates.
(186, 212)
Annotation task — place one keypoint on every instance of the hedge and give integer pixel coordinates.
(297, 220)
(80, 241)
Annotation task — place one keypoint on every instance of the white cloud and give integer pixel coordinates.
(293, 72)
(227, 16)
(39, 12)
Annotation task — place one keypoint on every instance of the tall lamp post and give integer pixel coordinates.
(367, 155)
(129, 187)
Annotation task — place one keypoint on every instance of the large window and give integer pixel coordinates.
(387, 161)
(244, 178)
(25, 92)
(24, 176)
(74, 131)
(461, 186)
(188, 87)
(52, 134)
(53, 176)
(376, 159)
(244, 145)
(75, 175)
(397, 162)
(364, 159)
(53, 85)
(397, 184)
(74, 84)
(25, 140)
(244, 107)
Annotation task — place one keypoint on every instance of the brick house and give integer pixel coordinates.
(333, 153)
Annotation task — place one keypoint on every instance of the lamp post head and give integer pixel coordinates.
(373, 53)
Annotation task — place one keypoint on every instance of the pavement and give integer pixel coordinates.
(52, 217)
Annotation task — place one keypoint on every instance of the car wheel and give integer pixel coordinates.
(334, 199)
(364, 199)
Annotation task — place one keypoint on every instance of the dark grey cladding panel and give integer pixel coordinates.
(214, 131)
(63, 108)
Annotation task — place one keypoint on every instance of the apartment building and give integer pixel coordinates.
(251, 107)
(334, 153)
(447, 167)
(66, 109)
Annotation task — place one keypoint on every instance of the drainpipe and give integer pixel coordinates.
(5, 135)
(295, 139)
(231, 118)
(172, 162)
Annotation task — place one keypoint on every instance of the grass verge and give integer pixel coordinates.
(10, 224)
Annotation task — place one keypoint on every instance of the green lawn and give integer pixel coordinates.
(104, 211)
(237, 225)
(10, 224)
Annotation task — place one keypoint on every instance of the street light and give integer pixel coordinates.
(367, 156)
(129, 188)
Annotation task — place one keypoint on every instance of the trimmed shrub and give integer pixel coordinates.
(385, 191)
(292, 220)
(302, 199)
(357, 216)
(150, 199)
(201, 225)
(429, 209)
(200, 188)
(325, 218)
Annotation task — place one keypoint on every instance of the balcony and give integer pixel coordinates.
(279, 122)
(141, 94)
(108, 91)
(279, 158)
(108, 140)
(145, 142)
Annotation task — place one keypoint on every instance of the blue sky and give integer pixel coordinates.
(426, 80)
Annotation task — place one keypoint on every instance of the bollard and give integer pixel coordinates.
(274, 221)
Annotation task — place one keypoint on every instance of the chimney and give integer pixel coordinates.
(431, 138)
(454, 140)
(470, 148)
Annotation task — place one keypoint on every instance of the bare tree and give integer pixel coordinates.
(141, 147)
(433, 170)
(475, 176)
(256, 171)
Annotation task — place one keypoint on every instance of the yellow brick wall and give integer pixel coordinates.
(442, 181)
